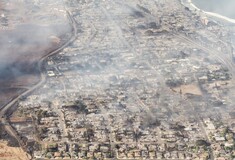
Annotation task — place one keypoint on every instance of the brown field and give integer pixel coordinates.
(189, 89)
(7, 94)
(11, 153)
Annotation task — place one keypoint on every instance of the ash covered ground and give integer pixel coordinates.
(141, 80)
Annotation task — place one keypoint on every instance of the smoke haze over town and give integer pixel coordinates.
(116, 79)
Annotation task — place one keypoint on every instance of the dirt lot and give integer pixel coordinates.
(190, 89)
(11, 153)
(9, 148)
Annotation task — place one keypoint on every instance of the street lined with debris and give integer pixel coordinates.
(141, 80)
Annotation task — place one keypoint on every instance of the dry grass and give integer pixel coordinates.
(11, 153)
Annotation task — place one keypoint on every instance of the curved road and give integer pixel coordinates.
(9, 129)
(226, 60)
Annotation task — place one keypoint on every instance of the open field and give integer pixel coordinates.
(10, 153)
